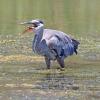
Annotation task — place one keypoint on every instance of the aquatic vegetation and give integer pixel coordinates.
(21, 70)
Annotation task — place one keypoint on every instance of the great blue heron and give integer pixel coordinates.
(52, 44)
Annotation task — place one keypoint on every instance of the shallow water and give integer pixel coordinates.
(28, 82)
(23, 75)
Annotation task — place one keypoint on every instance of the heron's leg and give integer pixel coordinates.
(61, 62)
(47, 60)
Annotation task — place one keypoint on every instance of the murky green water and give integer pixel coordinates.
(75, 17)
(23, 82)
(23, 75)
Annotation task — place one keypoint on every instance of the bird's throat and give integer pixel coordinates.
(37, 41)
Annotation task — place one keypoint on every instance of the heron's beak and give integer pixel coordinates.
(29, 28)
(23, 23)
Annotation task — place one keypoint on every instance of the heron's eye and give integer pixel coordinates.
(41, 22)
(35, 25)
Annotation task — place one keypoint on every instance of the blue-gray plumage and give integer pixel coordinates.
(52, 44)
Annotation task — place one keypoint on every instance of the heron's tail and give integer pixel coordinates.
(75, 43)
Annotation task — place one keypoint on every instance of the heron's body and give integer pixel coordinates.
(53, 44)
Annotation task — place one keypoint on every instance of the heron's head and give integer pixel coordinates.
(32, 25)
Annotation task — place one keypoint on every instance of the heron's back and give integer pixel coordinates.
(49, 33)
(62, 43)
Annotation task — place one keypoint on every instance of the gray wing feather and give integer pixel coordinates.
(59, 42)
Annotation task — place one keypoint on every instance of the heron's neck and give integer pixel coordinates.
(37, 40)
(39, 34)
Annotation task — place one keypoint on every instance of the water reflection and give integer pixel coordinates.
(57, 81)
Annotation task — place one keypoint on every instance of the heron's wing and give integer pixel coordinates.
(60, 46)
(54, 45)
(59, 41)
